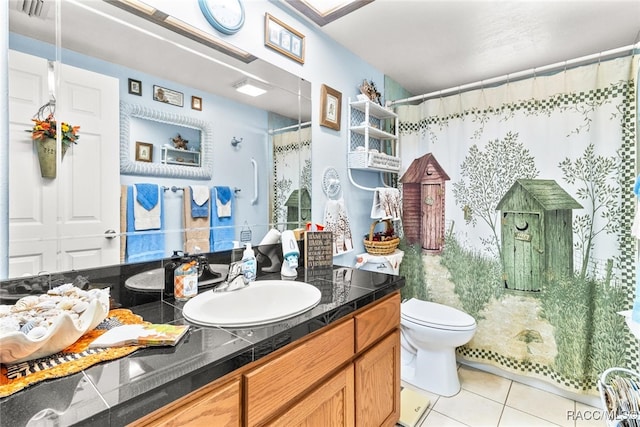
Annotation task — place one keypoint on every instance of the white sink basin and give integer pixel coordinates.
(260, 303)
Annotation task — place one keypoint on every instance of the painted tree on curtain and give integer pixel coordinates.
(543, 172)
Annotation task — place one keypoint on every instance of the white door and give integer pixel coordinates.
(59, 224)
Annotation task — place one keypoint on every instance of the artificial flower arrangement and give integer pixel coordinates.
(47, 128)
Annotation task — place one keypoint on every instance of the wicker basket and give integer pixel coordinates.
(380, 248)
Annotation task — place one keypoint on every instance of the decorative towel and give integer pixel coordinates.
(143, 245)
(146, 209)
(386, 204)
(196, 229)
(199, 201)
(222, 228)
(223, 201)
(336, 220)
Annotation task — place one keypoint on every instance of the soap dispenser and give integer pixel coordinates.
(169, 272)
(290, 253)
(249, 264)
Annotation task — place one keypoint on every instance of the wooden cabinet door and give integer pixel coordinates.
(274, 385)
(331, 404)
(210, 405)
(377, 384)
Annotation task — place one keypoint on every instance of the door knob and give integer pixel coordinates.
(110, 234)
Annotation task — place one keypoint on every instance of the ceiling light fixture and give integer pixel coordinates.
(251, 87)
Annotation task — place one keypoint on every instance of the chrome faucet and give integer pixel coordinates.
(235, 279)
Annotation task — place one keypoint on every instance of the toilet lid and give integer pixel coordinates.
(436, 315)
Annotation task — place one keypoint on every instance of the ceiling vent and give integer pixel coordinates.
(32, 7)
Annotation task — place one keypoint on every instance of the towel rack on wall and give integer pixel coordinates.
(173, 188)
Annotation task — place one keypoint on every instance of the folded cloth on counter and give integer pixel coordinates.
(386, 203)
(199, 201)
(223, 201)
(146, 209)
(143, 245)
(336, 220)
(222, 228)
(196, 229)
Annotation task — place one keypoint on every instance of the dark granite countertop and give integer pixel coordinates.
(118, 392)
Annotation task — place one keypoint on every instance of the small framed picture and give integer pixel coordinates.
(330, 107)
(135, 87)
(284, 39)
(196, 103)
(144, 152)
(162, 94)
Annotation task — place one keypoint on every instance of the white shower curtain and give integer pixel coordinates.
(541, 193)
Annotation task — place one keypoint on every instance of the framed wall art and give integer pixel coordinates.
(284, 39)
(196, 103)
(144, 152)
(168, 96)
(330, 107)
(135, 87)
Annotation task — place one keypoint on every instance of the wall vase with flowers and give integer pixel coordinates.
(44, 134)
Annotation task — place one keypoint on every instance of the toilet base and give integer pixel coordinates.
(434, 371)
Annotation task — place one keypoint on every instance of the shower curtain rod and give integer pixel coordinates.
(301, 125)
(608, 54)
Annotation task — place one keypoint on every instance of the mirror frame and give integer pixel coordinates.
(132, 167)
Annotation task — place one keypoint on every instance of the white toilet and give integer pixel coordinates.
(430, 334)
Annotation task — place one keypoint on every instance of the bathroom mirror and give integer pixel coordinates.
(137, 120)
(139, 46)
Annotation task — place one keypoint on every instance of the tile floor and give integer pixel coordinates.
(488, 400)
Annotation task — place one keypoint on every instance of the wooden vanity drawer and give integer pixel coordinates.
(376, 321)
(273, 385)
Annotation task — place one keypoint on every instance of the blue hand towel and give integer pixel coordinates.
(147, 195)
(223, 194)
(222, 228)
(199, 208)
(143, 245)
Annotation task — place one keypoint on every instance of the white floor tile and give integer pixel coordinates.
(435, 419)
(514, 418)
(485, 384)
(588, 416)
(470, 409)
(488, 400)
(542, 404)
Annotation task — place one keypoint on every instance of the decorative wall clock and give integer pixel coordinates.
(226, 16)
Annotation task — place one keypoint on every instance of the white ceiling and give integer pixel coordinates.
(430, 45)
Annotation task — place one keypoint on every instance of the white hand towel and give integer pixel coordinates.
(200, 194)
(386, 203)
(336, 220)
(146, 219)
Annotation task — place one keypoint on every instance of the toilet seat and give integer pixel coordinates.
(434, 315)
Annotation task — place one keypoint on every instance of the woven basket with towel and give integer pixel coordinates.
(381, 243)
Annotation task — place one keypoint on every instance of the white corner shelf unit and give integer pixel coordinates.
(369, 142)
(174, 156)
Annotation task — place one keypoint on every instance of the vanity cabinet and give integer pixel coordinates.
(174, 156)
(369, 142)
(217, 403)
(345, 374)
(331, 404)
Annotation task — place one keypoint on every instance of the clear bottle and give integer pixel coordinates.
(249, 264)
(186, 281)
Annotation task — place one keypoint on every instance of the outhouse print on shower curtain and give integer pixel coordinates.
(538, 209)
